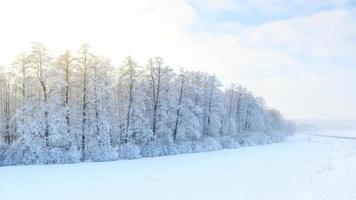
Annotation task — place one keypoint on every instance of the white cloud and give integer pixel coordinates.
(216, 6)
(289, 8)
(322, 35)
(318, 79)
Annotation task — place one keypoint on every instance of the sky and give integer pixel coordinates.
(299, 55)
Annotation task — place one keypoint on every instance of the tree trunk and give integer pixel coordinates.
(23, 71)
(156, 99)
(178, 110)
(66, 101)
(45, 99)
(84, 111)
(7, 112)
(131, 85)
(96, 102)
(237, 122)
(210, 106)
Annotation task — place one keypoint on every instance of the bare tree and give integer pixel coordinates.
(41, 61)
(131, 70)
(180, 98)
(65, 63)
(84, 64)
(155, 67)
(6, 108)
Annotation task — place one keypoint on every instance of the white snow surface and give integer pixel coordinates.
(305, 167)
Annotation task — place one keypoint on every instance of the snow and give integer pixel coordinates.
(305, 167)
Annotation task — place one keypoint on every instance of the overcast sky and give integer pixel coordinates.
(300, 55)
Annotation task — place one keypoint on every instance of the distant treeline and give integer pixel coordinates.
(79, 107)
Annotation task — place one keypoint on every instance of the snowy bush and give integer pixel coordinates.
(3, 148)
(160, 147)
(210, 144)
(103, 153)
(255, 138)
(229, 142)
(129, 151)
(170, 149)
(26, 151)
(152, 149)
(278, 136)
(197, 147)
(185, 147)
(61, 156)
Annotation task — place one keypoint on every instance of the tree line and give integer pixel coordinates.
(78, 107)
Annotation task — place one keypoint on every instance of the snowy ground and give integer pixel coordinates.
(305, 167)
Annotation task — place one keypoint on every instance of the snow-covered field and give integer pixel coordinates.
(305, 167)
